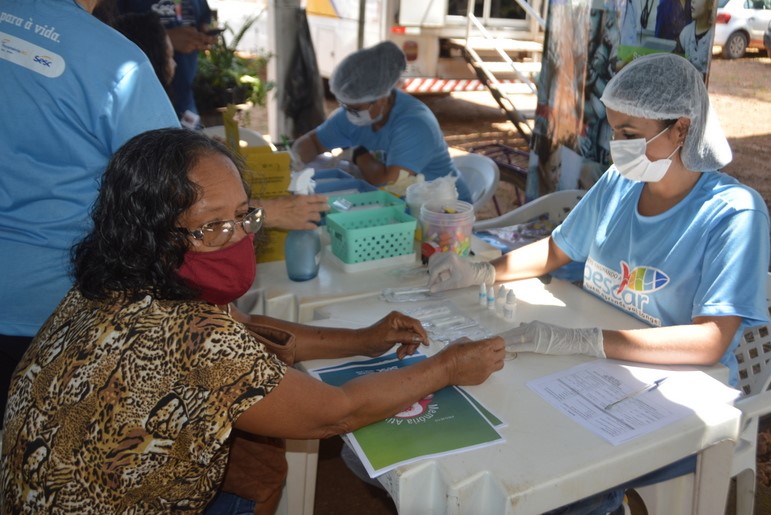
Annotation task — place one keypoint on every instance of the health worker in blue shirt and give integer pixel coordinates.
(665, 237)
(74, 91)
(390, 130)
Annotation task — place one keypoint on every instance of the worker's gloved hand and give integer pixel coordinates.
(448, 271)
(552, 339)
(296, 163)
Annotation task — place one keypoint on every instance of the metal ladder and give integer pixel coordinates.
(507, 79)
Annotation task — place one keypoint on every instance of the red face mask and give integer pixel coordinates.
(222, 275)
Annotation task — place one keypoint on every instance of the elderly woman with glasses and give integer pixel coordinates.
(128, 397)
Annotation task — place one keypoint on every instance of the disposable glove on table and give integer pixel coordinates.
(448, 271)
(552, 339)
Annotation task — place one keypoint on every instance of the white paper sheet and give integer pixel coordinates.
(584, 393)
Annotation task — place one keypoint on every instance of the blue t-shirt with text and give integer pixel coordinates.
(706, 256)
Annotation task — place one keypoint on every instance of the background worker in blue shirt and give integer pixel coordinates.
(390, 130)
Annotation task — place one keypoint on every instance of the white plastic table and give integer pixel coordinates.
(273, 294)
(547, 460)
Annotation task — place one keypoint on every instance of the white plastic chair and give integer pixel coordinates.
(481, 175)
(555, 205)
(754, 356)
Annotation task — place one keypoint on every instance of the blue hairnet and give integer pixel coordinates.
(666, 87)
(368, 74)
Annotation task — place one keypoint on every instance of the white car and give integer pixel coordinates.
(740, 24)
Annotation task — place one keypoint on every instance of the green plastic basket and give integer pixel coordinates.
(359, 236)
(375, 199)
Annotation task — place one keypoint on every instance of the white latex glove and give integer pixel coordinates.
(448, 271)
(552, 339)
(296, 163)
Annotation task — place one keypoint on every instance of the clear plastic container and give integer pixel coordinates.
(447, 227)
(422, 191)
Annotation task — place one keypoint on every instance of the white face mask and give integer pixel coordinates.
(362, 118)
(631, 161)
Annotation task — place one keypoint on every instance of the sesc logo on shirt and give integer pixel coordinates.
(628, 289)
(31, 56)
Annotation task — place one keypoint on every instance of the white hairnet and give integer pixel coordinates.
(666, 87)
(368, 74)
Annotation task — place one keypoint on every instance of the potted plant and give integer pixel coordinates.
(227, 76)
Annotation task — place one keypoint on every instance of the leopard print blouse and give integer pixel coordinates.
(127, 407)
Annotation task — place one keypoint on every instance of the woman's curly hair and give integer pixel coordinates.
(136, 246)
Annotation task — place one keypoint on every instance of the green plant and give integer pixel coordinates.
(227, 76)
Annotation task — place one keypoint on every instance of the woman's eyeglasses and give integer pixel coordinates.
(356, 110)
(216, 234)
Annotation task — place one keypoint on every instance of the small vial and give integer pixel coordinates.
(500, 300)
(483, 294)
(510, 308)
(491, 297)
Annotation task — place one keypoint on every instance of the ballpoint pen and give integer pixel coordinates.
(648, 387)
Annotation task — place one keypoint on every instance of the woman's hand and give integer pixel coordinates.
(472, 363)
(188, 39)
(294, 212)
(394, 328)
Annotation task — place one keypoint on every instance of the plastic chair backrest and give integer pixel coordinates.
(555, 206)
(481, 175)
(754, 356)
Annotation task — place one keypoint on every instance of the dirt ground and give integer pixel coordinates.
(741, 94)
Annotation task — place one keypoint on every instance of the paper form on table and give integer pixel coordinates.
(584, 392)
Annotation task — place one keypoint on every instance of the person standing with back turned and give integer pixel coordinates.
(74, 91)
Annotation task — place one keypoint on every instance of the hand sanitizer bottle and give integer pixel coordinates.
(302, 249)
(302, 252)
